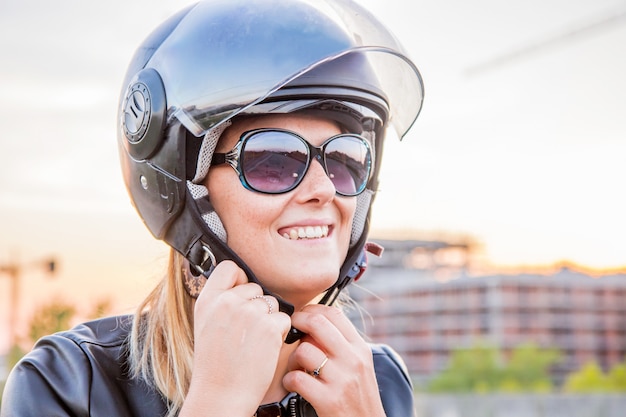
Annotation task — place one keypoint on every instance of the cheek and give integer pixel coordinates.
(347, 206)
(348, 211)
(243, 213)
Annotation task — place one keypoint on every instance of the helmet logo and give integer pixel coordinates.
(142, 115)
(136, 112)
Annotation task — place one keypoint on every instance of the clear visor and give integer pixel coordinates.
(226, 56)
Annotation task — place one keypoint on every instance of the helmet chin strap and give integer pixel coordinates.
(352, 271)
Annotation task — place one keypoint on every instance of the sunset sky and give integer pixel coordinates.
(520, 146)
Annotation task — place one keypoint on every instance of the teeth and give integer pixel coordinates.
(308, 232)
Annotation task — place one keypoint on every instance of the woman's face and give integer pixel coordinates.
(263, 229)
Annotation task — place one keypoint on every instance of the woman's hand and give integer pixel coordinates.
(346, 384)
(236, 345)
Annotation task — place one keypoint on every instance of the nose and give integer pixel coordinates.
(316, 186)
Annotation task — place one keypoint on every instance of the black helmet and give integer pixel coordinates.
(222, 58)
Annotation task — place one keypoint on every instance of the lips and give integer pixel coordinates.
(306, 232)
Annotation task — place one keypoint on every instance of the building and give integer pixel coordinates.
(425, 319)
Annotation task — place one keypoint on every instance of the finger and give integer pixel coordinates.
(308, 357)
(338, 319)
(247, 291)
(226, 275)
(269, 302)
(320, 331)
(317, 371)
(301, 382)
(281, 320)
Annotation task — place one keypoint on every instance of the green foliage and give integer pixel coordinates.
(101, 309)
(529, 366)
(590, 378)
(470, 370)
(48, 319)
(14, 355)
(58, 315)
(482, 369)
(51, 318)
(510, 385)
(617, 377)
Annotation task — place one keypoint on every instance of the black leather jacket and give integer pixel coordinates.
(82, 372)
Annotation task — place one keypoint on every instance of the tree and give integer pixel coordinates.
(589, 378)
(474, 369)
(617, 377)
(51, 318)
(529, 366)
(101, 309)
(481, 368)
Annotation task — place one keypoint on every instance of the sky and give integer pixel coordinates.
(519, 148)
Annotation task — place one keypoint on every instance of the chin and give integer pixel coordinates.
(308, 289)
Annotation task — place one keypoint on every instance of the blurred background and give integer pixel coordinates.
(517, 157)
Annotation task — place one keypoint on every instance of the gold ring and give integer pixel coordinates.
(316, 372)
(270, 309)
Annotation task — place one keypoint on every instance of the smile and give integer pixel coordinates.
(308, 232)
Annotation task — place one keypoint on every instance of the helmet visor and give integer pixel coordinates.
(228, 55)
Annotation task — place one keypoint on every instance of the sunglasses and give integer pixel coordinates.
(274, 161)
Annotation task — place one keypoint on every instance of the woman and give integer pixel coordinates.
(250, 137)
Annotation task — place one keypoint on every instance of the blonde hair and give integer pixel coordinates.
(161, 339)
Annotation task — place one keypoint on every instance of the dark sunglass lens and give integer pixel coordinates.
(348, 164)
(273, 161)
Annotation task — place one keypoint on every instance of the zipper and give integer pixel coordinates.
(293, 407)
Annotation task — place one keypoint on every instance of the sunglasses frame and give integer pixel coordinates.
(233, 156)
